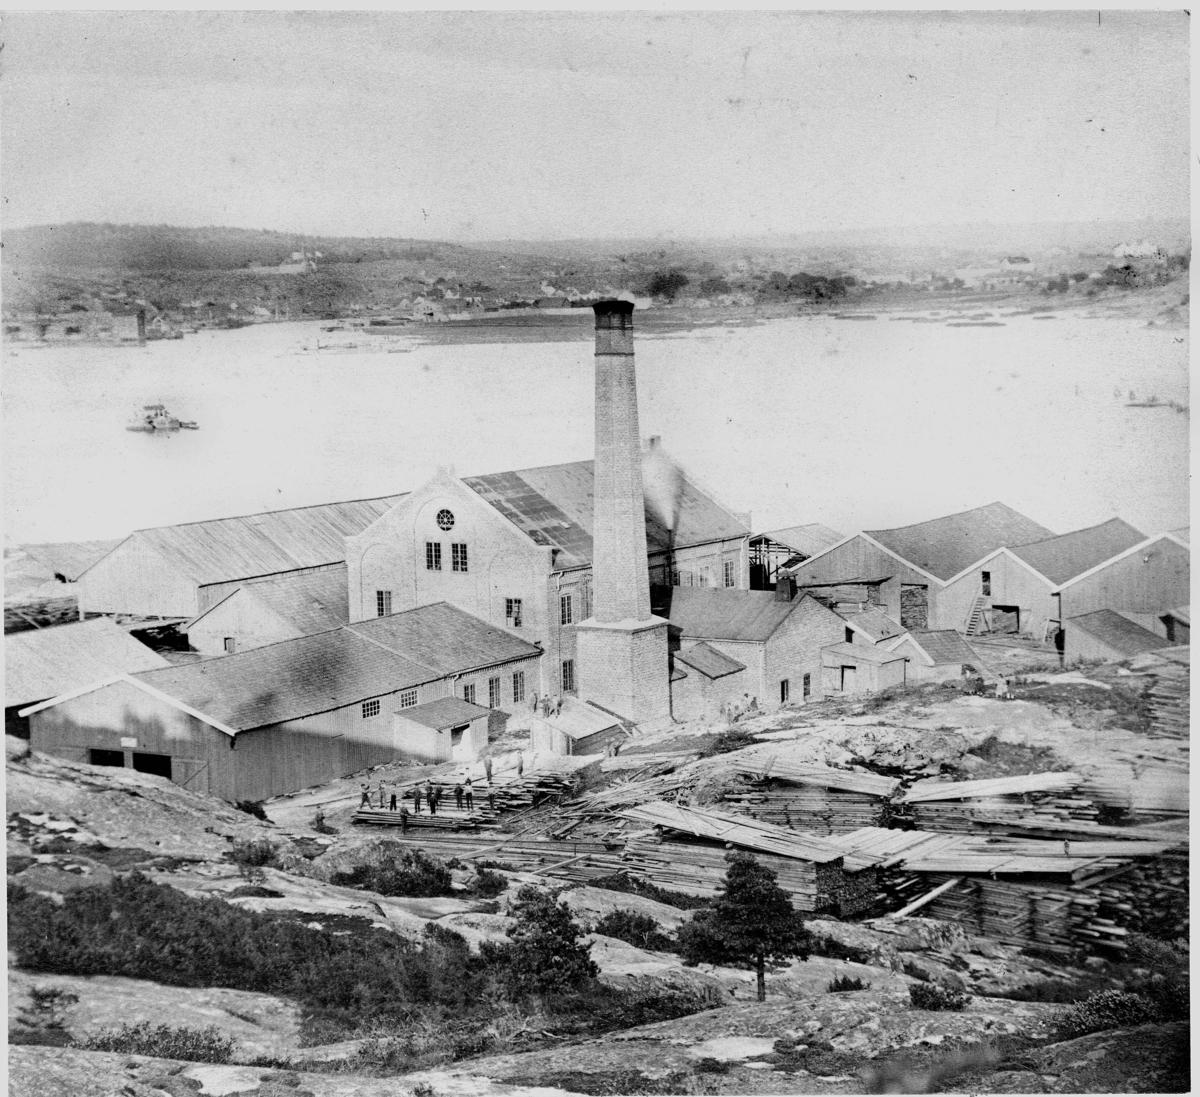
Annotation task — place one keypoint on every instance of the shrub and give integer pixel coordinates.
(503, 866)
(631, 885)
(709, 1065)
(933, 997)
(1108, 1009)
(411, 873)
(727, 741)
(206, 1045)
(253, 807)
(635, 929)
(845, 983)
(253, 854)
(545, 954)
(489, 884)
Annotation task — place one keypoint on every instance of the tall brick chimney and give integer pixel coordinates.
(622, 649)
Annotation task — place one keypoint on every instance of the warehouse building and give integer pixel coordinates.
(286, 716)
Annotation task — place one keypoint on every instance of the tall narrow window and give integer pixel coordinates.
(383, 603)
(458, 556)
(512, 612)
(730, 579)
(493, 693)
(705, 575)
(566, 614)
(986, 578)
(469, 693)
(433, 556)
(806, 686)
(849, 636)
(518, 686)
(370, 708)
(230, 645)
(784, 690)
(568, 676)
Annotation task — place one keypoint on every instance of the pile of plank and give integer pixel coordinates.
(812, 798)
(1033, 802)
(1170, 705)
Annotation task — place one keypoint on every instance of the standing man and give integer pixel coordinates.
(520, 762)
(545, 706)
(365, 802)
(403, 819)
(458, 795)
(487, 768)
(392, 804)
(416, 799)
(382, 802)
(491, 798)
(557, 705)
(533, 703)
(469, 792)
(431, 796)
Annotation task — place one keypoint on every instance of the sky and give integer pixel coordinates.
(525, 125)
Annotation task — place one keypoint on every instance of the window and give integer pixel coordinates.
(230, 645)
(512, 612)
(370, 708)
(383, 603)
(493, 693)
(730, 579)
(407, 699)
(784, 689)
(705, 575)
(676, 580)
(458, 556)
(568, 676)
(806, 686)
(433, 556)
(987, 583)
(849, 635)
(518, 685)
(445, 519)
(566, 616)
(469, 693)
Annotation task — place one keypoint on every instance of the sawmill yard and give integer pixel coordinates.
(1012, 856)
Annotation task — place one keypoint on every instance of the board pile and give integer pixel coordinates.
(1034, 802)
(812, 798)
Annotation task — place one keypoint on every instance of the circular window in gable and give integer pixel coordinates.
(445, 519)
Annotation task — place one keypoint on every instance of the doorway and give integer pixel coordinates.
(157, 764)
(106, 757)
(849, 678)
(1006, 619)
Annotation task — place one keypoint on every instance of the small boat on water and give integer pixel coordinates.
(155, 419)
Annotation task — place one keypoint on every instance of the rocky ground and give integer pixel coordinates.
(73, 826)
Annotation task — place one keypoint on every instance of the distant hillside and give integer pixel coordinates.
(88, 246)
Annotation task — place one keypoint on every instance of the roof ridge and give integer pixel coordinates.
(261, 514)
(955, 514)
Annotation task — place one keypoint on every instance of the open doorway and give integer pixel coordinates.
(157, 764)
(106, 757)
(1006, 619)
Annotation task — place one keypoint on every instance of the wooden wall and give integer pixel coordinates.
(1135, 583)
(134, 578)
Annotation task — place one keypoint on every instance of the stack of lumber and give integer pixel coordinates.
(813, 798)
(1170, 706)
(1035, 801)
(697, 867)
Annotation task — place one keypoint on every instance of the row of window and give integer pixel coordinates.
(785, 688)
(706, 576)
(433, 556)
(494, 699)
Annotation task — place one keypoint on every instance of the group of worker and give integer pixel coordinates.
(549, 706)
(431, 794)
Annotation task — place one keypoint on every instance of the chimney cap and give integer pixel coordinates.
(613, 307)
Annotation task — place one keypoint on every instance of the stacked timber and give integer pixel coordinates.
(809, 808)
(1170, 705)
(1036, 801)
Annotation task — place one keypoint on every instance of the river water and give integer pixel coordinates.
(856, 424)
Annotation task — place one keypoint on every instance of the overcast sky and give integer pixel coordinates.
(542, 125)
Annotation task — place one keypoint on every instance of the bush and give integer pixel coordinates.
(253, 807)
(1108, 1009)
(933, 997)
(411, 873)
(206, 1045)
(845, 983)
(728, 741)
(635, 929)
(253, 854)
(709, 1065)
(631, 885)
(545, 955)
(666, 283)
(489, 884)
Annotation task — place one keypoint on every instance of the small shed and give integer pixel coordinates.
(446, 730)
(702, 679)
(1107, 635)
(580, 728)
(940, 655)
(849, 669)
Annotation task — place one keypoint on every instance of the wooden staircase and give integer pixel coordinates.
(977, 622)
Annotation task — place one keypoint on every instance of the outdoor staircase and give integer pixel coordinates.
(977, 619)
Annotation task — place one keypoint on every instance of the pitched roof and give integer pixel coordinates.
(863, 653)
(717, 613)
(579, 719)
(708, 661)
(1140, 547)
(70, 559)
(310, 601)
(330, 670)
(225, 549)
(807, 539)
(876, 625)
(1118, 632)
(1062, 558)
(945, 646)
(46, 662)
(553, 505)
(445, 712)
(945, 546)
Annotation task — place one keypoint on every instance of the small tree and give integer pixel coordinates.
(752, 922)
(545, 954)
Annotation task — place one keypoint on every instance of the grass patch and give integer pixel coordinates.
(206, 1045)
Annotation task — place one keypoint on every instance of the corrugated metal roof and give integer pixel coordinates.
(717, 613)
(809, 539)
(875, 624)
(945, 646)
(553, 505)
(311, 601)
(42, 663)
(1118, 632)
(708, 661)
(1062, 558)
(445, 638)
(225, 549)
(70, 559)
(445, 712)
(944, 546)
(329, 670)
